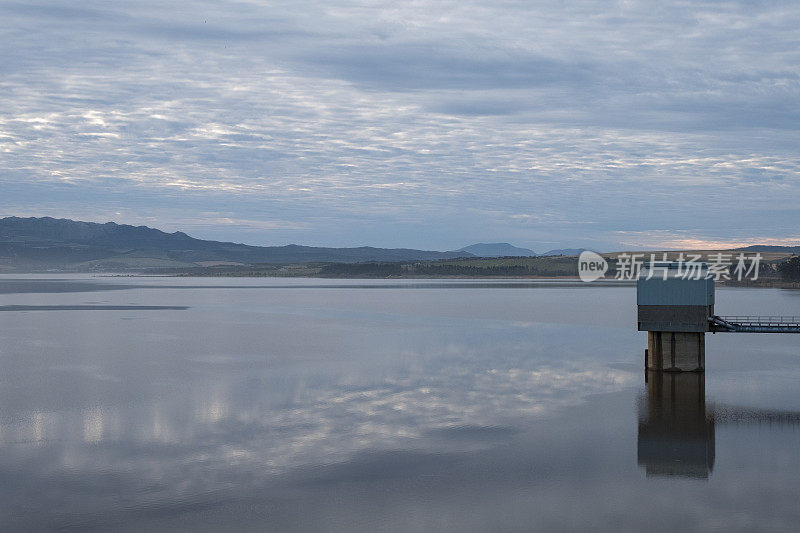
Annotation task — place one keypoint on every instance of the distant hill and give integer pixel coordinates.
(49, 243)
(769, 249)
(565, 251)
(497, 249)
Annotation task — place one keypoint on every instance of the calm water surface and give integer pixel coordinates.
(158, 404)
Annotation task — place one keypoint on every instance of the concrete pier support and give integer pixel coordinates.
(676, 351)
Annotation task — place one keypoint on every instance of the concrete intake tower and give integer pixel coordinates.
(675, 303)
(674, 306)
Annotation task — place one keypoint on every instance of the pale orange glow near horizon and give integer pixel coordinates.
(694, 243)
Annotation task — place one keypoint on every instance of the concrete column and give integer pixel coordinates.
(676, 351)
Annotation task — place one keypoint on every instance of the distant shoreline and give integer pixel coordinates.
(758, 284)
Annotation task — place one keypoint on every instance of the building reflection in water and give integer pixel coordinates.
(676, 434)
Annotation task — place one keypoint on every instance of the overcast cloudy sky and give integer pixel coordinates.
(426, 124)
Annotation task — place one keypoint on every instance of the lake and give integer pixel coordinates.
(260, 404)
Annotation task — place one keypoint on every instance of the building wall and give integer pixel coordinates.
(674, 317)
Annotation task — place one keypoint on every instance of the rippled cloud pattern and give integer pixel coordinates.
(614, 124)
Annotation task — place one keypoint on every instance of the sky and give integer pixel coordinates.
(422, 124)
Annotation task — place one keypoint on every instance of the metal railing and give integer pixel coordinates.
(762, 320)
(756, 324)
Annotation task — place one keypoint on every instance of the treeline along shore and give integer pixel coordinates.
(782, 272)
(536, 267)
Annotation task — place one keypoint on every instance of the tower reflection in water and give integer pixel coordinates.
(676, 434)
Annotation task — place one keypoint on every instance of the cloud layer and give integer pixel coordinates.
(431, 124)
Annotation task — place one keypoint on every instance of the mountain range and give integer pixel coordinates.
(49, 243)
(34, 244)
(497, 249)
(503, 249)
